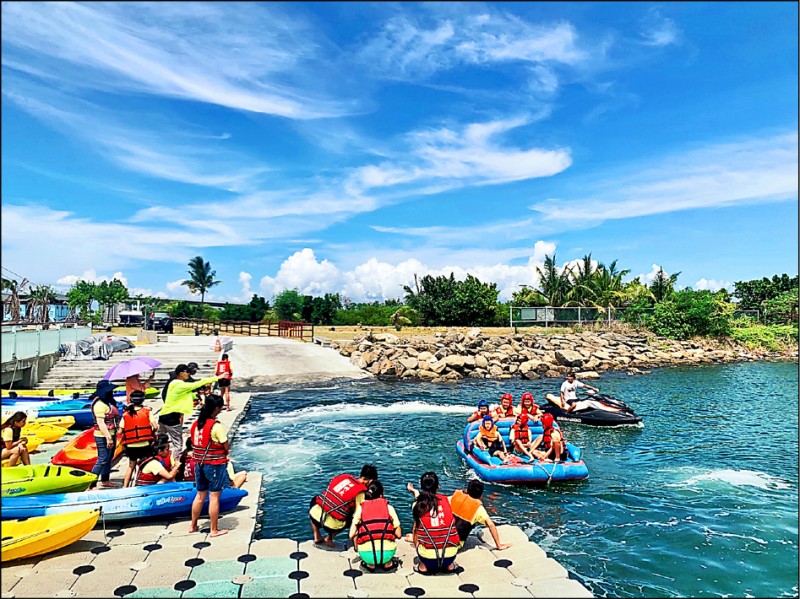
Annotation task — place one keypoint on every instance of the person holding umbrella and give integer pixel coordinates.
(129, 370)
(134, 383)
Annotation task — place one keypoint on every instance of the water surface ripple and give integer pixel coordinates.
(700, 502)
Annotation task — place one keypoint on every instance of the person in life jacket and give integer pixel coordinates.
(158, 467)
(210, 448)
(375, 529)
(552, 442)
(519, 436)
(333, 509)
(468, 510)
(483, 410)
(489, 439)
(187, 467)
(224, 366)
(137, 433)
(528, 405)
(106, 417)
(506, 407)
(434, 533)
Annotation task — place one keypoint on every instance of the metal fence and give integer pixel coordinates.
(548, 316)
(294, 330)
(31, 343)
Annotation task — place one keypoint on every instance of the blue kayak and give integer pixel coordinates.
(520, 470)
(150, 501)
(80, 409)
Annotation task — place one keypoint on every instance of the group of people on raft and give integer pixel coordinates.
(549, 446)
(441, 523)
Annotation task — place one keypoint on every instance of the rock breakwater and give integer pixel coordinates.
(455, 355)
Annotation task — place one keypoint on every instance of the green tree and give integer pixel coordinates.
(689, 313)
(445, 301)
(404, 316)
(554, 285)
(663, 285)
(109, 294)
(324, 309)
(80, 298)
(288, 305)
(606, 286)
(581, 278)
(781, 309)
(201, 277)
(752, 294)
(528, 297)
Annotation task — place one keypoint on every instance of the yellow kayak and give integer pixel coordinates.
(33, 444)
(60, 421)
(43, 534)
(48, 433)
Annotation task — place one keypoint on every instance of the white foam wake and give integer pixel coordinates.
(740, 478)
(342, 411)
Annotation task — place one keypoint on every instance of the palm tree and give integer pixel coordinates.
(201, 277)
(553, 285)
(13, 305)
(39, 303)
(607, 286)
(663, 285)
(580, 279)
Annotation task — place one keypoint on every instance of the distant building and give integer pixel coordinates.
(58, 308)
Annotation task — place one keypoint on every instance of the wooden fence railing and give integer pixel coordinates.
(303, 331)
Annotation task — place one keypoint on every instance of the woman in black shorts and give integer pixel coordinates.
(137, 434)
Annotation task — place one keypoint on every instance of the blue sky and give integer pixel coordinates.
(345, 147)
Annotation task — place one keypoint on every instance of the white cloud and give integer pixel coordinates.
(378, 280)
(658, 30)
(712, 285)
(244, 56)
(727, 174)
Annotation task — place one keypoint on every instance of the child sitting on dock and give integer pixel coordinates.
(375, 529)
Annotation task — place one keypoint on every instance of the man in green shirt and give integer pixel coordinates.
(179, 402)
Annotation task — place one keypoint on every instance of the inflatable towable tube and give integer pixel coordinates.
(492, 469)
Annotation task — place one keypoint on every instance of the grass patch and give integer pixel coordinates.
(770, 337)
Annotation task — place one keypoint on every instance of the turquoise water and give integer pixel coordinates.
(700, 502)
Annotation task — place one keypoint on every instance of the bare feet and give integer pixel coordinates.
(329, 541)
(193, 529)
(218, 533)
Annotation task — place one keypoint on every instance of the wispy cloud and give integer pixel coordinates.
(658, 30)
(745, 172)
(249, 58)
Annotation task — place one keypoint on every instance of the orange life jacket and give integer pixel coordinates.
(465, 509)
(204, 449)
(339, 499)
(376, 522)
(489, 436)
(521, 433)
(501, 412)
(137, 428)
(438, 532)
(145, 478)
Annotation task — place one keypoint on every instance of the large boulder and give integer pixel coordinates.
(567, 357)
(481, 361)
(409, 363)
(454, 361)
(589, 374)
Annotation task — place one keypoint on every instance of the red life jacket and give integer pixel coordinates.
(145, 478)
(547, 441)
(502, 412)
(438, 532)
(204, 450)
(188, 469)
(376, 522)
(521, 433)
(339, 499)
(137, 428)
(223, 366)
(111, 417)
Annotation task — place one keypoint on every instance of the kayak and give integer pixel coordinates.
(48, 433)
(35, 536)
(64, 422)
(69, 393)
(81, 452)
(80, 409)
(616, 414)
(44, 478)
(163, 500)
(519, 470)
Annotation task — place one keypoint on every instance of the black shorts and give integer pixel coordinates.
(495, 446)
(139, 453)
(349, 521)
(224, 383)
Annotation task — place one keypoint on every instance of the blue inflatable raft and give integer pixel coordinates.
(521, 471)
(151, 501)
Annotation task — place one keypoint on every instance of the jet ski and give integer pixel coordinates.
(598, 409)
